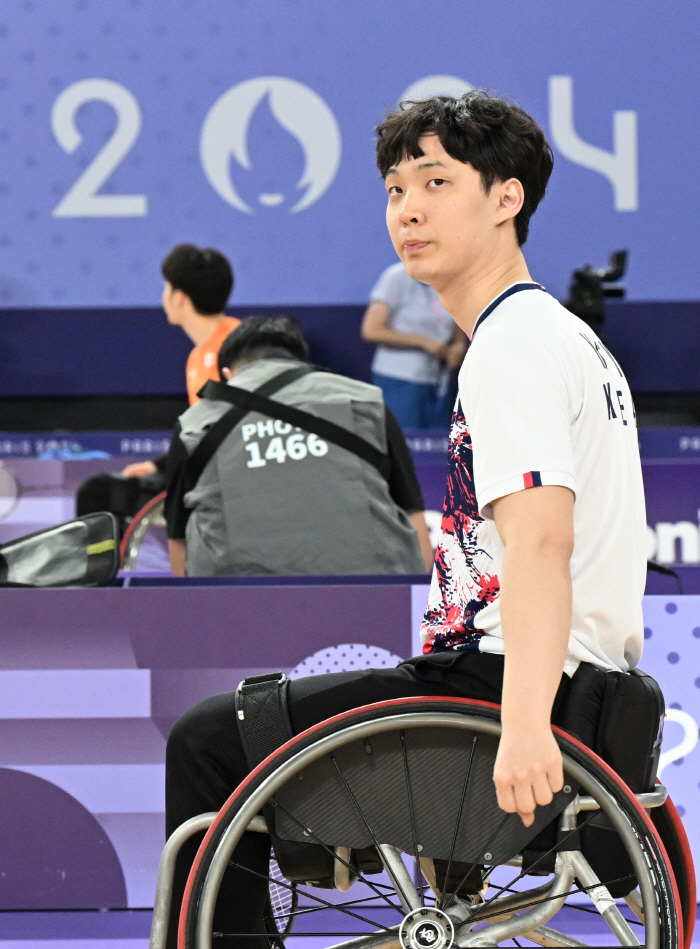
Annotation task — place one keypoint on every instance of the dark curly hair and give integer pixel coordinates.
(497, 138)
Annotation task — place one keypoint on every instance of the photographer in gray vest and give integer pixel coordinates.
(286, 469)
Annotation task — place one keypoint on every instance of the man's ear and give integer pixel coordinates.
(179, 299)
(511, 197)
(226, 373)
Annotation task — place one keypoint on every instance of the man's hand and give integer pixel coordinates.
(528, 771)
(139, 469)
(433, 348)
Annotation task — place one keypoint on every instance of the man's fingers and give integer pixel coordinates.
(542, 790)
(555, 776)
(524, 798)
(506, 797)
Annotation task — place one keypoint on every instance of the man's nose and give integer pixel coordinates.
(412, 211)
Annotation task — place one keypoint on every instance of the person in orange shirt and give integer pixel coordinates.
(198, 283)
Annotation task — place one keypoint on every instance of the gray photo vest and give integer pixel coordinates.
(275, 500)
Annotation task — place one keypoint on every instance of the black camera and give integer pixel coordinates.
(590, 287)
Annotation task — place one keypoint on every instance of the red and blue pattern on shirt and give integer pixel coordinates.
(462, 584)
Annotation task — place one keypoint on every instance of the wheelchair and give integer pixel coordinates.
(151, 514)
(387, 835)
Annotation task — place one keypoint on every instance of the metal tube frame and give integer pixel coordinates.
(166, 871)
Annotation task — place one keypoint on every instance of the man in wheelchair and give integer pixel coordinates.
(535, 604)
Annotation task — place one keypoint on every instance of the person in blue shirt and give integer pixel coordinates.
(418, 345)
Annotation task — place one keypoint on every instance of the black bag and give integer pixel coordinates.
(120, 495)
(620, 716)
(80, 553)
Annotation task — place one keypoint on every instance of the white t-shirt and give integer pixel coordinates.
(415, 308)
(541, 402)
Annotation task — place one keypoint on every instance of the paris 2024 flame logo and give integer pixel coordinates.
(298, 109)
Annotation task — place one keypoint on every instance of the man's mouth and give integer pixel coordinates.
(413, 247)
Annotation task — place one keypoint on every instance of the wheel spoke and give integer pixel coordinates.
(459, 815)
(545, 899)
(524, 873)
(359, 903)
(414, 830)
(318, 899)
(576, 906)
(484, 849)
(360, 876)
(404, 897)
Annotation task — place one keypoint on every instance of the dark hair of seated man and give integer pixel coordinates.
(263, 337)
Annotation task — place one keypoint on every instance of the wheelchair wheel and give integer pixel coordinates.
(413, 778)
(672, 833)
(282, 905)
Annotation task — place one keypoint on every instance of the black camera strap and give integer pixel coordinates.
(219, 391)
(258, 402)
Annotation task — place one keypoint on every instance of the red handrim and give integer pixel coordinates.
(134, 523)
(394, 703)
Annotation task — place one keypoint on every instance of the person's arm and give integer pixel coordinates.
(404, 486)
(421, 528)
(376, 329)
(536, 528)
(139, 469)
(177, 548)
(176, 514)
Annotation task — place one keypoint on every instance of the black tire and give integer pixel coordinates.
(346, 733)
(672, 833)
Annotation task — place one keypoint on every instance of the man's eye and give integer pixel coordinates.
(394, 190)
(438, 181)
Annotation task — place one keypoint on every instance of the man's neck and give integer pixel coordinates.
(466, 294)
(199, 328)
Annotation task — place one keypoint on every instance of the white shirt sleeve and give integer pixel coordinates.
(517, 399)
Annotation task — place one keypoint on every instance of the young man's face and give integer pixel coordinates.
(439, 217)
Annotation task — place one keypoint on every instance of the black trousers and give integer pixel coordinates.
(205, 761)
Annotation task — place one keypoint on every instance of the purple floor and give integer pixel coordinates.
(129, 929)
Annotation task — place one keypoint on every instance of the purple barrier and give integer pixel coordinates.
(109, 351)
(91, 682)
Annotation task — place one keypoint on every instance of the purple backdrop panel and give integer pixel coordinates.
(248, 626)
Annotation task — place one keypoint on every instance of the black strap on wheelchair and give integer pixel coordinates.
(206, 449)
(264, 725)
(263, 715)
(258, 402)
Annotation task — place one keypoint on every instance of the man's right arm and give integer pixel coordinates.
(536, 527)
(519, 397)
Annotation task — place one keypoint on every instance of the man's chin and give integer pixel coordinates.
(419, 269)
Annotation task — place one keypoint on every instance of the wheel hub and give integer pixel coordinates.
(427, 928)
